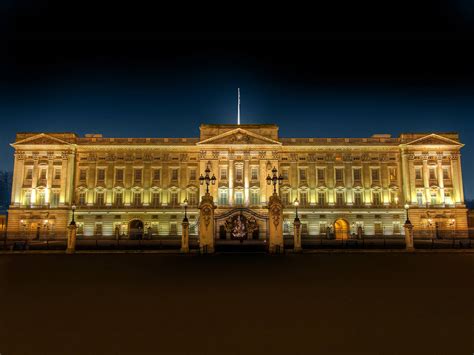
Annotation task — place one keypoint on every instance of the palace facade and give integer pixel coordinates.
(127, 186)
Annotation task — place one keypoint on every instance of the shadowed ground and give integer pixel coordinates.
(237, 304)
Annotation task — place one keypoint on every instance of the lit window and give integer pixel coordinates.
(285, 174)
(339, 174)
(223, 197)
(321, 198)
(418, 174)
(174, 174)
(432, 173)
(119, 175)
(100, 199)
(433, 198)
(82, 175)
(29, 174)
(375, 174)
(339, 198)
(303, 174)
(419, 198)
(376, 198)
(155, 199)
(321, 175)
(303, 198)
(156, 174)
(192, 175)
(138, 176)
(254, 173)
(358, 198)
(119, 198)
(239, 198)
(100, 175)
(82, 198)
(41, 198)
(446, 175)
(57, 174)
(43, 174)
(254, 197)
(238, 173)
(392, 174)
(223, 173)
(137, 198)
(357, 175)
(285, 198)
(174, 199)
(55, 199)
(192, 198)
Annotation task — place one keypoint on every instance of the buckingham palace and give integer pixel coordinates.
(141, 187)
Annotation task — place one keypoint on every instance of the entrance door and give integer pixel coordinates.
(341, 229)
(136, 229)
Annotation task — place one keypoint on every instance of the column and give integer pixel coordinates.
(246, 183)
(459, 184)
(18, 174)
(185, 236)
(231, 182)
(441, 181)
(206, 224)
(405, 178)
(426, 181)
(275, 221)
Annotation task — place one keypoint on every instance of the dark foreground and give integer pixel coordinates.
(237, 304)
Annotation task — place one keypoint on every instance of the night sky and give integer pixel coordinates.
(125, 72)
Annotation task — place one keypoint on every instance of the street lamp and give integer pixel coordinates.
(207, 179)
(296, 203)
(185, 204)
(407, 206)
(73, 222)
(274, 179)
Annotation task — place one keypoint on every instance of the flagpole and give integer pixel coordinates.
(238, 106)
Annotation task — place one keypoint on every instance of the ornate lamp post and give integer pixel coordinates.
(296, 203)
(297, 229)
(407, 206)
(73, 222)
(185, 204)
(409, 245)
(207, 179)
(71, 234)
(274, 179)
(185, 229)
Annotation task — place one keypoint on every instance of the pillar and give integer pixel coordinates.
(275, 215)
(409, 245)
(185, 236)
(297, 235)
(206, 224)
(71, 238)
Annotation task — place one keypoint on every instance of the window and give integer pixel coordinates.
(285, 198)
(339, 174)
(321, 198)
(192, 175)
(357, 198)
(137, 198)
(41, 198)
(223, 197)
(432, 173)
(239, 198)
(418, 173)
(223, 173)
(446, 175)
(323, 229)
(357, 175)
(57, 174)
(303, 198)
(98, 229)
(304, 228)
(156, 174)
(392, 174)
(137, 176)
(321, 175)
(419, 198)
(27, 199)
(119, 198)
(100, 199)
(339, 198)
(43, 174)
(55, 199)
(29, 174)
(82, 175)
(394, 198)
(100, 175)
(433, 198)
(376, 198)
(238, 173)
(119, 175)
(173, 229)
(174, 174)
(254, 173)
(254, 197)
(286, 227)
(447, 198)
(302, 174)
(375, 174)
(378, 228)
(155, 199)
(174, 199)
(285, 174)
(192, 198)
(82, 198)
(396, 227)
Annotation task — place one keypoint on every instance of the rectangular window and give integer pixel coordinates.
(57, 174)
(100, 199)
(376, 198)
(29, 174)
(137, 198)
(433, 199)
(396, 227)
(82, 175)
(254, 197)
(43, 174)
(41, 198)
(119, 198)
(446, 175)
(238, 173)
(304, 198)
(378, 229)
(82, 198)
(155, 199)
(339, 198)
(304, 228)
(137, 176)
(285, 198)
(419, 198)
(156, 174)
(173, 229)
(418, 174)
(447, 198)
(357, 198)
(302, 174)
(254, 174)
(432, 173)
(223, 173)
(192, 198)
(392, 173)
(174, 174)
(174, 199)
(239, 198)
(192, 175)
(119, 175)
(321, 198)
(357, 175)
(98, 229)
(223, 200)
(285, 174)
(321, 175)
(339, 174)
(100, 175)
(27, 200)
(375, 174)
(55, 199)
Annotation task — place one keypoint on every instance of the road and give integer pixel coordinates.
(367, 303)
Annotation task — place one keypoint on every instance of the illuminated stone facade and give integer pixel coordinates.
(124, 186)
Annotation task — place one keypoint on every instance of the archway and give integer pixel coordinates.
(135, 229)
(341, 229)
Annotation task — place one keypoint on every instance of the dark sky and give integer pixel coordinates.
(321, 72)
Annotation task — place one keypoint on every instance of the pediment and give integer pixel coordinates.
(434, 139)
(41, 139)
(239, 136)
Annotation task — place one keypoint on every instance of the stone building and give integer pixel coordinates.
(135, 187)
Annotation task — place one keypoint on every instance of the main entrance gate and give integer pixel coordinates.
(241, 229)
